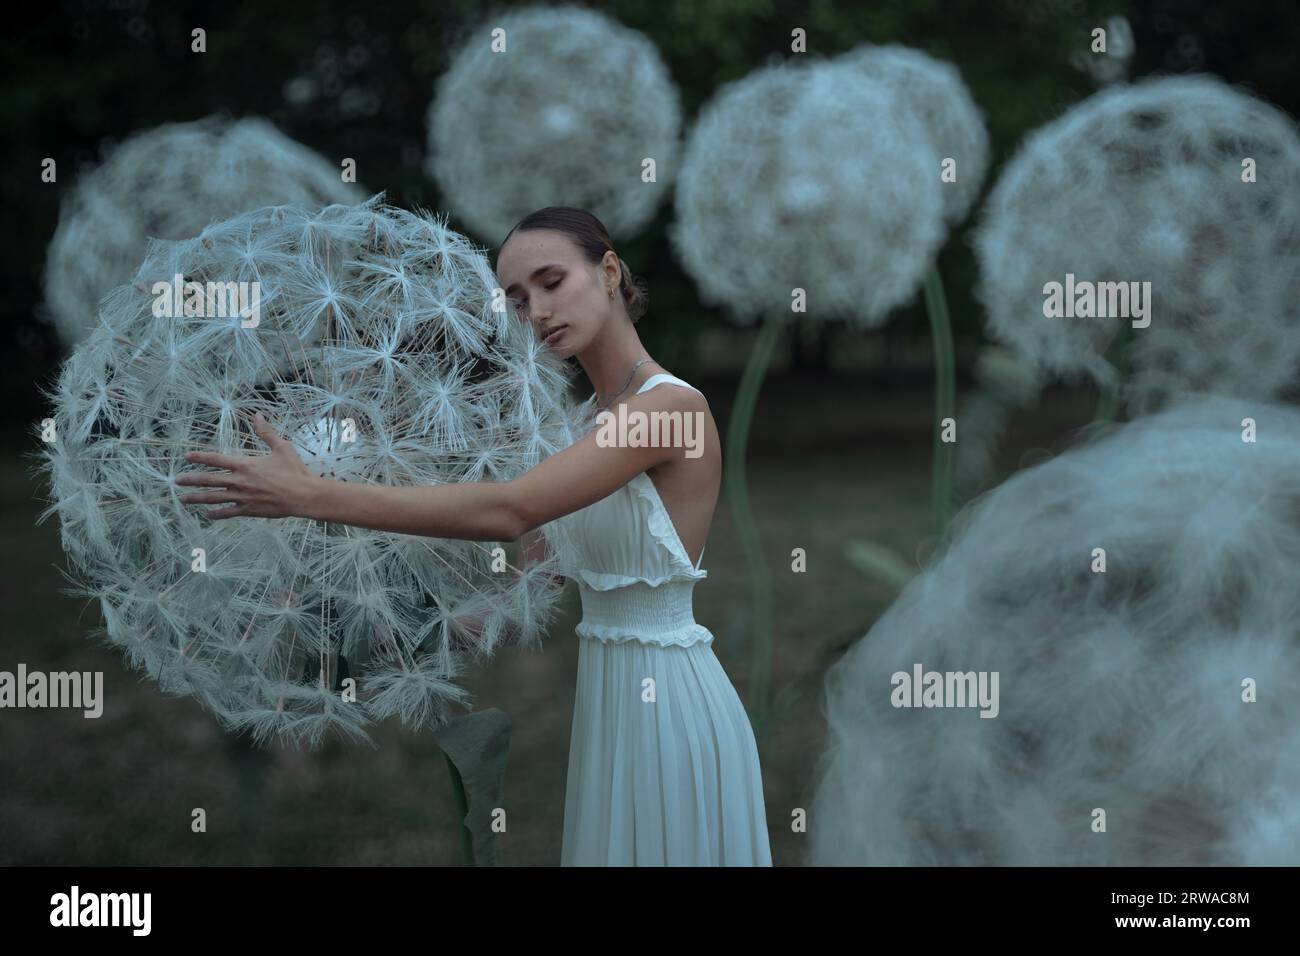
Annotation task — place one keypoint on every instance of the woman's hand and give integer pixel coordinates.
(277, 485)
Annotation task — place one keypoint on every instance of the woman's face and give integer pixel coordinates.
(554, 289)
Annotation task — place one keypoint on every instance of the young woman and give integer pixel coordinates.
(663, 765)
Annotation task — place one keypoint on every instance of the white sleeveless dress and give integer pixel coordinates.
(663, 764)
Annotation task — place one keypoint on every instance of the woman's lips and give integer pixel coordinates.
(553, 335)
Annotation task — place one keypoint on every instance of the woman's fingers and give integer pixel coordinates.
(214, 459)
(205, 479)
(234, 512)
(207, 497)
(265, 432)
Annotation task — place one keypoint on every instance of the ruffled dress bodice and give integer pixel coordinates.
(636, 580)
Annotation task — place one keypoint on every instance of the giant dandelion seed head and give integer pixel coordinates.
(806, 176)
(566, 114)
(1146, 183)
(1119, 689)
(400, 373)
(934, 93)
(169, 183)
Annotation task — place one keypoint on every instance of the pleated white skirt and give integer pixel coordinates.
(663, 773)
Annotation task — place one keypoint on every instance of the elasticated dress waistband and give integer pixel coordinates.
(653, 614)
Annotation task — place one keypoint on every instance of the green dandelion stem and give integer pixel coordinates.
(742, 414)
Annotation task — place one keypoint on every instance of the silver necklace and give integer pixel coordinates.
(625, 384)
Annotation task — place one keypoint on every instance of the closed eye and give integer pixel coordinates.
(522, 303)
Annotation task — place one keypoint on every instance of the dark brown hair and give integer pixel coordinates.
(590, 236)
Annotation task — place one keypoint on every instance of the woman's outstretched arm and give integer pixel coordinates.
(279, 485)
(574, 478)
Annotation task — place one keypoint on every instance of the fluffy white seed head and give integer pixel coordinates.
(401, 374)
(933, 92)
(169, 183)
(565, 115)
(806, 176)
(1144, 183)
(1120, 690)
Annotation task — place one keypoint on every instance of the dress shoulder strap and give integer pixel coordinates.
(654, 380)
